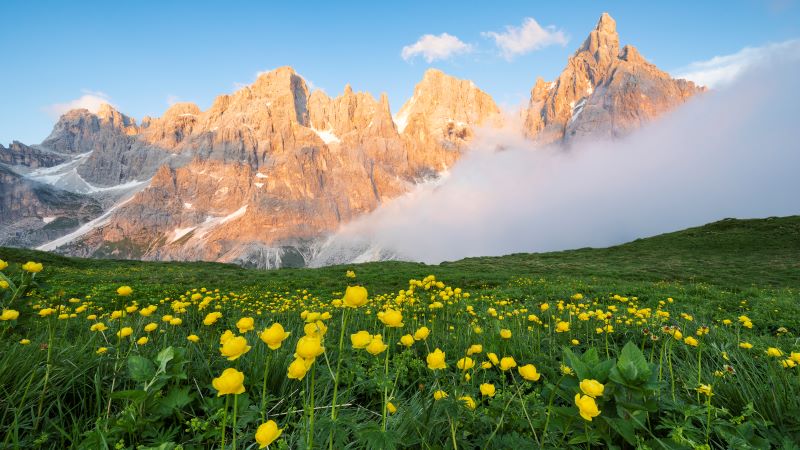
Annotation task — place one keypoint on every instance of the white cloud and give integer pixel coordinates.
(526, 38)
(722, 70)
(172, 99)
(89, 100)
(433, 48)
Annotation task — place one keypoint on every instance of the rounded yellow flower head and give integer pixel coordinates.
(507, 363)
(355, 296)
(234, 347)
(592, 388)
(44, 312)
(421, 334)
(125, 332)
(469, 402)
(124, 291)
(436, 360)
(586, 406)
(3, 264)
(315, 329)
(9, 314)
(391, 318)
(245, 324)
(391, 407)
(376, 345)
(230, 382)
(487, 390)
(361, 339)
(407, 340)
(274, 336)
(212, 317)
(32, 267)
(745, 345)
(193, 338)
(102, 350)
(226, 336)
(529, 372)
(99, 326)
(474, 349)
(562, 327)
(267, 433)
(705, 389)
(152, 326)
(505, 333)
(691, 341)
(493, 358)
(774, 352)
(465, 363)
(440, 394)
(309, 347)
(142, 340)
(298, 368)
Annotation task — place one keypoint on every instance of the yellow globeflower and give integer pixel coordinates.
(487, 390)
(274, 336)
(376, 345)
(421, 334)
(3, 264)
(44, 312)
(586, 406)
(9, 314)
(691, 341)
(592, 388)
(3, 284)
(32, 267)
(309, 347)
(529, 372)
(440, 394)
(361, 339)
(469, 402)
(705, 389)
(493, 358)
(102, 350)
(407, 340)
(745, 345)
(125, 332)
(436, 360)
(391, 318)
(245, 324)
(507, 363)
(355, 296)
(465, 363)
(562, 327)
(350, 274)
(474, 349)
(193, 338)
(24, 341)
(99, 326)
(142, 340)
(505, 333)
(267, 433)
(211, 318)
(298, 368)
(234, 347)
(230, 382)
(176, 321)
(774, 352)
(124, 291)
(315, 329)
(152, 326)
(226, 336)
(391, 408)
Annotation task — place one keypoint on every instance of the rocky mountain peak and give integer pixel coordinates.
(602, 42)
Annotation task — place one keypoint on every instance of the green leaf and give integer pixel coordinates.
(601, 370)
(623, 427)
(140, 368)
(632, 363)
(576, 363)
(132, 395)
(165, 356)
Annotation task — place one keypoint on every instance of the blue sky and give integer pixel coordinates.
(142, 55)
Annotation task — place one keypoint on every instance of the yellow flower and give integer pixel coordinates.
(562, 327)
(24, 341)
(529, 372)
(226, 336)
(436, 360)
(705, 389)
(274, 336)
(391, 318)
(44, 312)
(211, 318)
(142, 340)
(745, 345)
(32, 267)
(575, 342)
(465, 363)
(774, 352)
(350, 274)
(592, 388)
(677, 335)
(167, 318)
(230, 382)
(544, 306)
(727, 322)
(507, 363)
(487, 390)
(440, 394)
(3, 284)
(486, 365)
(245, 324)
(566, 370)
(99, 326)
(234, 347)
(505, 333)
(493, 358)
(474, 349)
(586, 406)
(152, 326)
(355, 296)
(361, 339)
(577, 297)
(376, 345)
(298, 368)
(788, 363)
(124, 291)
(9, 314)
(315, 329)
(267, 433)
(691, 341)
(3, 264)
(391, 408)
(795, 356)
(407, 340)
(117, 315)
(176, 321)
(193, 338)
(421, 334)
(469, 402)
(102, 350)
(124, 332)
(309, 347)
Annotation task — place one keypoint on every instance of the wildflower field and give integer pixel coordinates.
(683, 341)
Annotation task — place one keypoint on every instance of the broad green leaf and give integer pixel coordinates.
(140, 368)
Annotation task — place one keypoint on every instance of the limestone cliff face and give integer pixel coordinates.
(19, 154)
(602, 91)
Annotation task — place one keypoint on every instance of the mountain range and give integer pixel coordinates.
(265, 174)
